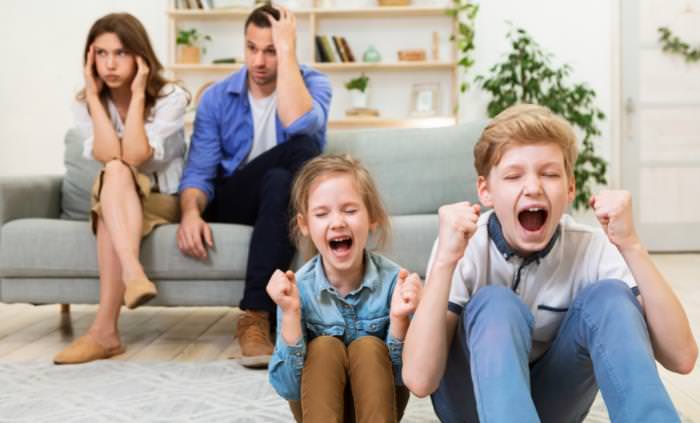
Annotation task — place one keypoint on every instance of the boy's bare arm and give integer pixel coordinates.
(671, 336)
(432, 328)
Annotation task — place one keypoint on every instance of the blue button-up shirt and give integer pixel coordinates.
(362, 312)
(223, 128)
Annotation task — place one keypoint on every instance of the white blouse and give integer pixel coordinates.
(165, 129)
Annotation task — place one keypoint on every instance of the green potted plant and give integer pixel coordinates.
(465, 11)
(190, 43)
(527, 75)
(358, 90)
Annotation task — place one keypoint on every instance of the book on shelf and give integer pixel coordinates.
(333, 49)
(328, 49)
(348, 50)
(320, 52)
(339, 49)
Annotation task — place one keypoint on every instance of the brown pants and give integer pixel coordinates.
(370, 395)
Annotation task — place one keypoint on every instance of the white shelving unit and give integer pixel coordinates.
(393, 28)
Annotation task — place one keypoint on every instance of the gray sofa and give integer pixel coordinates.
(45, 257)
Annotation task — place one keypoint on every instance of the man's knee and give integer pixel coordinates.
(277, 181)
(306, 146)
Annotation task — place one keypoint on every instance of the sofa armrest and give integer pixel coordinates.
(30, 196)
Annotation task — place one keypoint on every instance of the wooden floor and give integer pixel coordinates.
(36, 333)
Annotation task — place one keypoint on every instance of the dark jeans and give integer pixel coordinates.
(257, 194)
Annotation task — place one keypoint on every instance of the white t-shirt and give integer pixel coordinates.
(165, 129)
(577, 257)
(264, 111)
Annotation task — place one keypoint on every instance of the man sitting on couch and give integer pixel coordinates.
(252, 131)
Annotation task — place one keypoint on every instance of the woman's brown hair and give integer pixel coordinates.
(134, 38)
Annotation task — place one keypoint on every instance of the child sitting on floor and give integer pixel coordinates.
(342, 318)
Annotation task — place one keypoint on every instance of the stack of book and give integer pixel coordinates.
(332, 48)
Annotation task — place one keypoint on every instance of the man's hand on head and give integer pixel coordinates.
(284, 32)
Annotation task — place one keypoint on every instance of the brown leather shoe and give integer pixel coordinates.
(85, 349)
(139, 292)
(254, 337)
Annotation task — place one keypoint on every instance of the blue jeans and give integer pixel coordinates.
(602, 342)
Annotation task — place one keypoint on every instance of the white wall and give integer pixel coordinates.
(577, 32)
(41, 70)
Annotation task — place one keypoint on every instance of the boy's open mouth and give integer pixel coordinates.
(532, 219)
(340, 244)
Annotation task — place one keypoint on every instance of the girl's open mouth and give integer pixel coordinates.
(341, 244)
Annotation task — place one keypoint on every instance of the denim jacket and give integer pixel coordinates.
(362, 312)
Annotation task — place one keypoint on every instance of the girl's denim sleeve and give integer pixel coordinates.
(287, 362)
(395, 347)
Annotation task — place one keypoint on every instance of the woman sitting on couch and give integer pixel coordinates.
(133, 122)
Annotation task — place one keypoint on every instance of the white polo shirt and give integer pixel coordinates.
(547, 282)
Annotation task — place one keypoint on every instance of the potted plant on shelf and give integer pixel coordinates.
(190, 43)
(358, 91)
(527, 76)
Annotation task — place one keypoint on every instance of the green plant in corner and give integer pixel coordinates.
(465, 11)
(528, 76)
(672, 44)
(192, 38)
(360, 83)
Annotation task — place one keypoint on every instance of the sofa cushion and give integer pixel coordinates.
(77, 182)
(51, 248)
(416, 170)
(59, 248)
(410, 166)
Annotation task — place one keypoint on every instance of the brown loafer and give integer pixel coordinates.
(84, 350)
(139, 292)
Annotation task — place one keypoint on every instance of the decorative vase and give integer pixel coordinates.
(359, 99)
(371, 55)
(189, 54)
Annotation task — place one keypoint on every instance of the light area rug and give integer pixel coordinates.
(114, 391)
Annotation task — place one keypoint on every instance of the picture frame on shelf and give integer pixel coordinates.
(425, 99)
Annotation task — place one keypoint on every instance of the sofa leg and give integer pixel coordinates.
(65, 326)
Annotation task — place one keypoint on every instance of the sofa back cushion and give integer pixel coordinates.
(416, 170)
(77, 182)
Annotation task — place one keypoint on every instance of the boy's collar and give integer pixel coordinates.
(496, 234)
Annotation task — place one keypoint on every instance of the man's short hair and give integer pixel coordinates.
(258, 16)
(524, 124)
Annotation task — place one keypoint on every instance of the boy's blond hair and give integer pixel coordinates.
(524, 124)
(328, 165)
